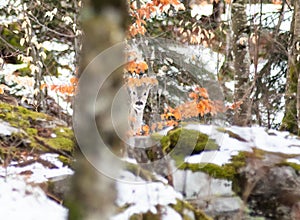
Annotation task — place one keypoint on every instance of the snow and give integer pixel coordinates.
(20, 200)
(216, 157)
(253, 137)
(209, 60)
(25, 88)
(143, 196)
(6, 129)
(170, 214)
(201, 10)
(200, 185)
(55, 46)
(10, 68)
(294, 160)
(40, 173)
(269, 16)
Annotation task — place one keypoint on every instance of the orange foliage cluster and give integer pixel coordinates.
(204, 104)
(136, 82)
(171, 116)
(138, 68)
(200, 105)
(64, 89)
(166, 2)
(144, 12)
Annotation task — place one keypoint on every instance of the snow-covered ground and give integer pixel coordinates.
(38, 172)
(253, 137)
(142, 197)
(22, 198)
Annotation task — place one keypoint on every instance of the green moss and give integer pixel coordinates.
(145, 216)
(25, 71)
(63, 132)
(180, 206)
(165, 143)
(139, 171)
(10, 37)
(230, 171)
(29, 121)
(60, 143)
(290, 164)
(220, 172)
(289, 121)
(65, 160)
(75, 210)
(18, 116)
(31, 131)
(184, 142)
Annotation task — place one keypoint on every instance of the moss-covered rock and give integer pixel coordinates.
(181, 142)
(230, 171)
(145, 216)
(38, 131)
(295, 166)
(184, 207)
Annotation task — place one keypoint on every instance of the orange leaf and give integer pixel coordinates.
(131, 66)
(44, 85)
(235, 105)
(203, 93)
(145, 129)
(193, 95)
(74, 80)
(142, 66)
(53, 87)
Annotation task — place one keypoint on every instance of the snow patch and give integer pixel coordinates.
(39, 173)
(143, 197)
(247, 139)
(6, 129)
(20, 200)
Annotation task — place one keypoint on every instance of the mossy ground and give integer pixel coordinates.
(180, 206)
(227, 171)
(57, 138)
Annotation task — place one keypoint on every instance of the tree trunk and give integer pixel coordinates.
(291, 120)
(241, 63)
(93, 194)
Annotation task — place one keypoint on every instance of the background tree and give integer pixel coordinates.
(291, 120)
(28, 35)
(241, 59)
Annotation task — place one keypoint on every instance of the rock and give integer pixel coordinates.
(214, 196)
(276, 195)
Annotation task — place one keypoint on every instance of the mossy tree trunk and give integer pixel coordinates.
(93, 194)
(291, 120)
(241, 62)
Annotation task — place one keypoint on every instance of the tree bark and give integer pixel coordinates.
(291, 120)
(241, 63)
(92, 193)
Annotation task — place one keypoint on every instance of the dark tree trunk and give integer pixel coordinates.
(241, 62)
